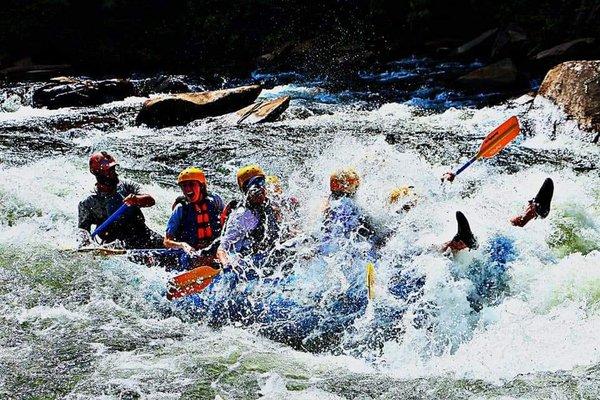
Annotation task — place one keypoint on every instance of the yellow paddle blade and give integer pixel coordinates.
(371, 280)
(499, 138)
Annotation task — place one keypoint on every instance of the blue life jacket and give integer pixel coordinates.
(200, 224)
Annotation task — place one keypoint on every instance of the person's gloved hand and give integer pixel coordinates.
(448, 176)
(131, 200)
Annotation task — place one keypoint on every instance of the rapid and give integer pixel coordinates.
(78, 326)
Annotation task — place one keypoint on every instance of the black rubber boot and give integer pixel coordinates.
(544, 198)
(464, 232)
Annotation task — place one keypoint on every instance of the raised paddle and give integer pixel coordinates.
(191, 281)
(116, 215)
(495, 141)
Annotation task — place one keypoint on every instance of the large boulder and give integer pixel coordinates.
(179, 109)
(81, 93)
(572, 49)
(263, 111)
(575, 87)
(501, 74)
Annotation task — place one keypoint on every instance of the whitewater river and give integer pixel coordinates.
(76, 326)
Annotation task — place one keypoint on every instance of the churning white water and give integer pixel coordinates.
(77, 326)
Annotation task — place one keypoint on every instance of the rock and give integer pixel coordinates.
(480, 45)
(575, 87)
(163, 84)
(510, 42)
(64, 79)
(26, 68)
(498, 75)
(263, 111)
(522, 100)
(82, 93)
(574, 48)
(182, 108)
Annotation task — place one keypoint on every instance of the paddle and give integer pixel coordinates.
(116, 215)
(495, 141)
(190, 282)
(370, 280)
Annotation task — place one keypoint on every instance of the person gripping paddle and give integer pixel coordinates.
(495, 141)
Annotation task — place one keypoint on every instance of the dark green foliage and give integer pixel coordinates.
(190, 35)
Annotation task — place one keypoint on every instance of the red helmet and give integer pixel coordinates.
(101, 162)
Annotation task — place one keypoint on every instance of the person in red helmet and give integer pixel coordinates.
(109, 194)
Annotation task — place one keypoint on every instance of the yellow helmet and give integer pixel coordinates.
(191, 174)
(244, 174)
(274, 183)
(399, 193)
(344, 181)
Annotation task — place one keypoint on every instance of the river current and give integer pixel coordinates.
(76, 326)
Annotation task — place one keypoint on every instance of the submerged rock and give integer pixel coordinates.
(81, 93)
(501, 74)
(183, 108)
(263, 111)
(575, 87)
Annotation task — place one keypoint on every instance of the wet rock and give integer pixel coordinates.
(524, 99)
(26, 68)
(82, 93)
(575, 87)
(183, 108)
(263, 111)
(64, 79)
(510, 42)
(501, 74)
(573, 49)
(163, 84)
(478, 46)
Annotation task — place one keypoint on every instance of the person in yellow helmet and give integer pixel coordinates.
(195, 224)
(343, 217)
(251, 228)
(285, 206)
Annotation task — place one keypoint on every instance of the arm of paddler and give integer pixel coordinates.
(139, 200)
(84, 225)
(170, 243)
(222, 257)
(234, 233)
(173, 226)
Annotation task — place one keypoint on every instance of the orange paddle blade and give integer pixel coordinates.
(175, 293)
(499, 138)
(194, 275)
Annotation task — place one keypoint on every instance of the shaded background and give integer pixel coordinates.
(209, 35)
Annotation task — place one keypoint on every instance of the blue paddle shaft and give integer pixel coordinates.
(116, 215)
(461, 169)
